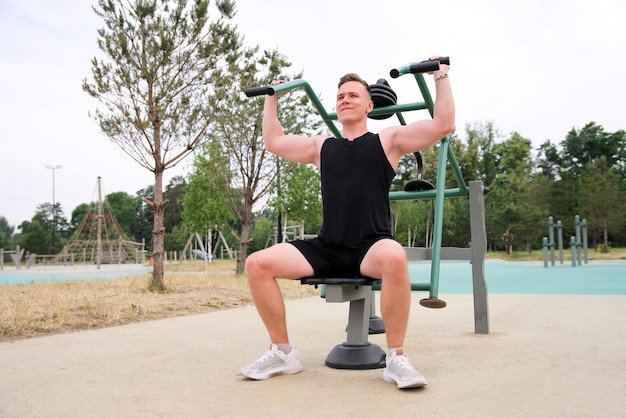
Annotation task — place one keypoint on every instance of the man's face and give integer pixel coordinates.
(353, 102)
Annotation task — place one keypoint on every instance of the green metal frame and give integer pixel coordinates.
(446, 155)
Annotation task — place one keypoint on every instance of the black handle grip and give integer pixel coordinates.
(420, 67)
(428, 65)
(424, 67)
(260, 91)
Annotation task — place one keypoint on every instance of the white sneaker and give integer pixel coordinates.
(400, 371)
(272, 363)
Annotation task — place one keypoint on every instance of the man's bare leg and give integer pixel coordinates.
(263, 268)
(386, 260)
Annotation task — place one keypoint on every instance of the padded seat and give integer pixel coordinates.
(355, 281)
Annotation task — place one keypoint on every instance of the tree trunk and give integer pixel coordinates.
(157, 233)
(243, 248)
(244, 238)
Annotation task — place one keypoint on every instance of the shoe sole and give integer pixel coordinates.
(409, 385)
(274, 372)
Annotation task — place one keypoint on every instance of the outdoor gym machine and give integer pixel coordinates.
(576, 242)
(385, 105)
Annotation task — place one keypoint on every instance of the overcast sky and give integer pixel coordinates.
(536, 67)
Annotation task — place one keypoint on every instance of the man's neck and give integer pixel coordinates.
(353, 132)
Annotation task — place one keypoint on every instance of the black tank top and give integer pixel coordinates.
(356, 177)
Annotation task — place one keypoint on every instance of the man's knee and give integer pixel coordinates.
(393, 255)
(385, 258)
(263, 262)
(398, 256)
(254, 263)
(279, 261)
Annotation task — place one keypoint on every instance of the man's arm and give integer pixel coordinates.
(400, 140)
(297, 148)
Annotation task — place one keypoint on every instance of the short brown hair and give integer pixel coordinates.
(354, 77)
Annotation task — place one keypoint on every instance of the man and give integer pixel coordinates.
(356, 236)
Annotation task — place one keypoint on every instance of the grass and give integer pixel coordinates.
(36, 309)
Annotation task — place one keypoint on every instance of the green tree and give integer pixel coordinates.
(206, 202)
(509, 206)
(35, 237)
(477, 160)
(175, 236)
(144, 227)
(565, 200)
(157, 84)
(238, 132)
(407, 170)
(6, 234)
(263, 228)
(176, 239)
(124, 207)
(603, 201)
(414, 220)
(79, 213)
(52, 221)
(590, 143)
(174, 192)
(298, 195)
(549, 162)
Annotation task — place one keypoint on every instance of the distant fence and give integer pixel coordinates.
(135, 253)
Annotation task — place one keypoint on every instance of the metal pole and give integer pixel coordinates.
(208, 246)
(572, 245)
(438, 222)
(54, 212)
(585, 247)
(99, 233)
(577, 223)
(551, 238)
(559, 228)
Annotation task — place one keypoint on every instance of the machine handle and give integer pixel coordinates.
(419, 67)
(260, 91)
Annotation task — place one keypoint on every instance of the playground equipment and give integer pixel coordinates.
(195, 247)
(16, 256)
(576, 242)
(99, 239)
(357, 352)
(288, 232)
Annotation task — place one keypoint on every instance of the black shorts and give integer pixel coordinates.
(330, 260)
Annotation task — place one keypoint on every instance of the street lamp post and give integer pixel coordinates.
(54, 211)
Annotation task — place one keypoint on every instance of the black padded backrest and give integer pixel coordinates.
(357, 281)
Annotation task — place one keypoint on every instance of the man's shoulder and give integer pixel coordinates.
(322, 138)
(389, 132)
